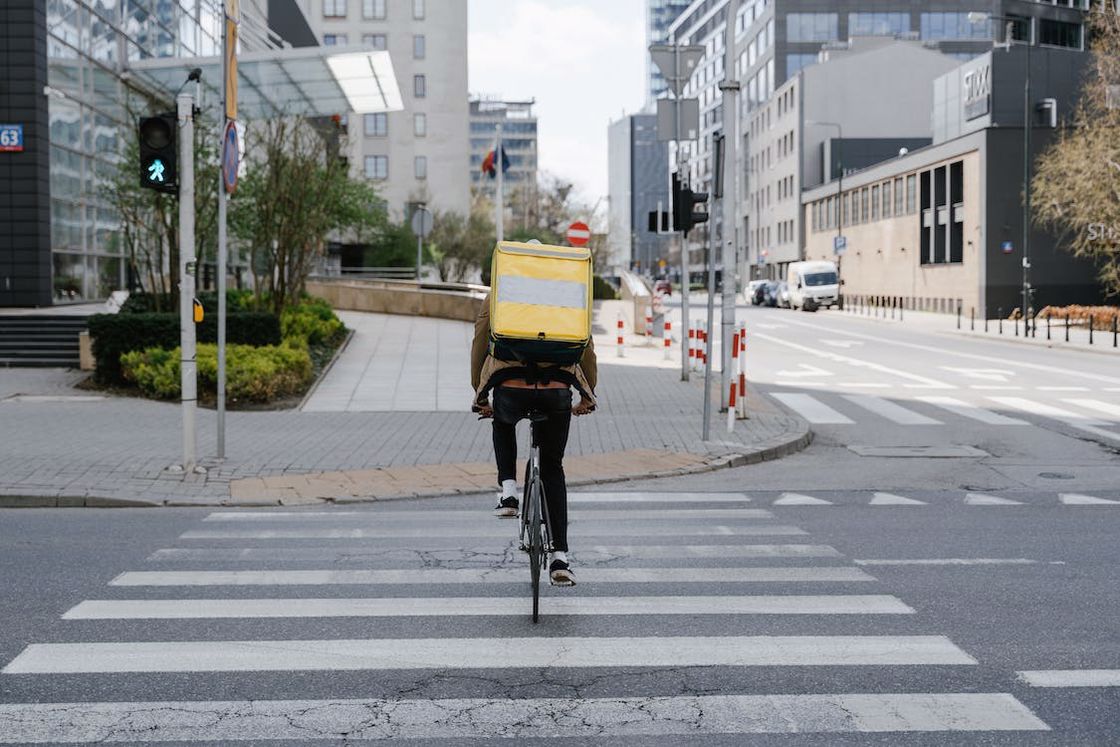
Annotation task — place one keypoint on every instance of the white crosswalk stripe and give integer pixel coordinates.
(971, 411)
(520, 719)
(457, 580)
(1107, 410)
(890, 410)
(812, 409)
(983, 499)
(1049, 411)
(1077, 499)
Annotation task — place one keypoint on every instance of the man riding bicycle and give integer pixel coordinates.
(508, 391)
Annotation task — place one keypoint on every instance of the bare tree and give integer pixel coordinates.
(1077, 180)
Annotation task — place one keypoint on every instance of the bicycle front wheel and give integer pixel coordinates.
(534, 541)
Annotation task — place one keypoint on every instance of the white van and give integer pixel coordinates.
(813, 285)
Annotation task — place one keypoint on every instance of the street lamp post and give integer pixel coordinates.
(980, 18)
(839, 199)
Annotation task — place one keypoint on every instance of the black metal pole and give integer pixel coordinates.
(1048, 326)
(1113, 330)
(999, 315)
(1067, 326)
(971, 318)
(1090, 328)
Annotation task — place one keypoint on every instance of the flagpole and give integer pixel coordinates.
(499, 208)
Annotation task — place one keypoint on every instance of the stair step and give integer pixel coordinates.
(37, 363)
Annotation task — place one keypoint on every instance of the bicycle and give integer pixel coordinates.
(536, 531)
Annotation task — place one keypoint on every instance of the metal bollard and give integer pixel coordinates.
(1048, 326)
(734, 384)
(999, 315)
(1067, 326)
(692, 348)
(958, 316)
(971, 318)
(985, 320)
(668, 339)
(1016, 326)
(743, 370)
(649, 326)
(1113, 330)
(1090, 328)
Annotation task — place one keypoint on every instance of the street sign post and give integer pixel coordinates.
(231, 161)
(839, 245)
(579, 233)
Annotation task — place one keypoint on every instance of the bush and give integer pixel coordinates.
(116, 334)
(603, 290)
(145, 303)
(253, 374)
(313, 322)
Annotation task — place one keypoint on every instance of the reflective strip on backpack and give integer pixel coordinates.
(565, 294)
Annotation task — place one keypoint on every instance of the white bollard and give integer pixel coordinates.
(731, 403)
(668, 339)
(743, 370)
(621, 341)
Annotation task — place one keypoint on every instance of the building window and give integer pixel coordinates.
(796, 62)
(376, 125)
(375, 41)
(847, 209)
(420, 125)
(911, 194)
(419, 47)
(1059, 33)
(420, 167)
(334, 8)
(875, 202)
(863, 202)
(377, 167)
(419, 86)
(878, 24)
(953, 26)
(899, 196)
(886, 199)
(812, 27)
(332, 40)
(418, 9)
(373, 10)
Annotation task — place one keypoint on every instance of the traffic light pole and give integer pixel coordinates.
(187, 264)
(672, 212)
(729, 88)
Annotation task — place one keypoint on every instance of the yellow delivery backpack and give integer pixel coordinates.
(540, 303)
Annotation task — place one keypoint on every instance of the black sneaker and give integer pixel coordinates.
(560, 574)
(507, 507)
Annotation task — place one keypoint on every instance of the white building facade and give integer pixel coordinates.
(420, 154)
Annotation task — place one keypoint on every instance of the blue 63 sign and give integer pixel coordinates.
(11, 137)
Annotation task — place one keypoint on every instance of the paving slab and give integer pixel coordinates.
(61, 451)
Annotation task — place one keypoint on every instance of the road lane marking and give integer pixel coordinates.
(812, 409)
(458, 516)
(1063, 388)
(243, 609)
(798, 499)
(657, 497)
(995, 388)
(521, 719)
(805, 370)
(1078, 499)
(969, 410)
(485, 653)
(890, 410)
(818, 354)
(945, 561)
(438, 576)
(1109, 410)
(1071, 677)
(863, 385)
(890, 499)
(592, 530)
(297, 554)
(983, 499)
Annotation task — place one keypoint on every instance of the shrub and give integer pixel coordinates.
(253, 374)
(602, 290)
(144, 303)
(313, 322)
(115, 334)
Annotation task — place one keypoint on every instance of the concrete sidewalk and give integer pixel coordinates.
(60, 446)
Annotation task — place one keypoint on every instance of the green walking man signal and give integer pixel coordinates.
(158, 153)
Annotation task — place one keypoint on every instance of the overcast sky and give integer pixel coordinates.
(582, 60)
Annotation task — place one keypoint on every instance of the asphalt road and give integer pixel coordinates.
(840, 596)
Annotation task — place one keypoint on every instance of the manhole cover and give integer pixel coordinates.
(920, 452)
(1055, 476)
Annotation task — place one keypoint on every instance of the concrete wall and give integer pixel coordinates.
(387, 297)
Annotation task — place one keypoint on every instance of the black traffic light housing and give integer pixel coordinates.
(159, 155)
(685, 202)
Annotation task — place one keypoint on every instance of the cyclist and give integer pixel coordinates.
(509, 391)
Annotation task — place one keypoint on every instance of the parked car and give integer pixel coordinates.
(759, 296)
(783, 295)
(752, 292)
(770, 293)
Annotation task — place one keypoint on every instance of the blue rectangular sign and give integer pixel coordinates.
(11, 137)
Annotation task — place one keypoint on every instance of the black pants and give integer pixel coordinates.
(511, 404)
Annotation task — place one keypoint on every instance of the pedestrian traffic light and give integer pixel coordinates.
(158, 153)
(685, 202)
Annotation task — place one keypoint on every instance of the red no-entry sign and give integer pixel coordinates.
(579, 234)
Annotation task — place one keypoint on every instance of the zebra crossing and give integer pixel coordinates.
(822, 408)
(435, 598)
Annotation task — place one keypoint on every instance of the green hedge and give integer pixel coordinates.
(313, 322)
(253, 374)
(601, 290)
(146, 303)
(116, 334)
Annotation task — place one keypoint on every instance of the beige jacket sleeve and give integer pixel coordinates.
(480, 347)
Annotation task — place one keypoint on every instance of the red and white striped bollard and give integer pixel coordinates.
(621, 342)
(668, 339)
(731, 403)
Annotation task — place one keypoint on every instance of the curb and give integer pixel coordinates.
(326, 370)
(79, 501)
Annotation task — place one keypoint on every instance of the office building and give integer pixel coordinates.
(940, 228)
(422, 153)
(638, 184)
(519, 141)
